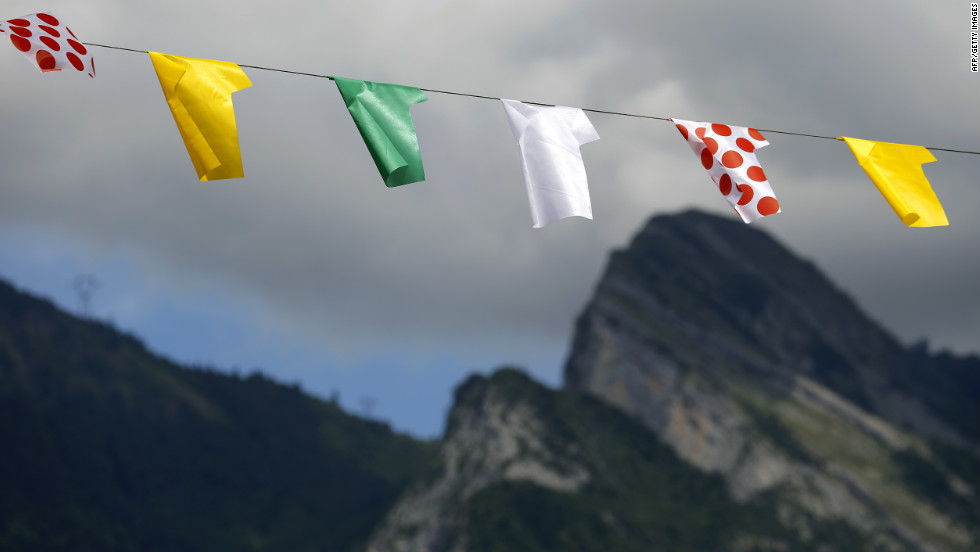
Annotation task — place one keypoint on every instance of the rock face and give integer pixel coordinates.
(492, 436)
(523, 467)
(720, 394)
(749, 363)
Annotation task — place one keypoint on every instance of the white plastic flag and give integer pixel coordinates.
(549, 139)
(728, 154)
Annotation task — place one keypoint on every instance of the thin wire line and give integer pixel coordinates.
(798, 134)
(286, 71)
(114, 47)
(483, 97)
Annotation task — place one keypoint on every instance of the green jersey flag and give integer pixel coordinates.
(381, 114)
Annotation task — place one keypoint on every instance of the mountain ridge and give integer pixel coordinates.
(761, 332)
(800, 416)
(728, 347)
(599, 481)
(115, 448)
(720, 394)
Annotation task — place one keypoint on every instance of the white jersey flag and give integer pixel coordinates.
(549, 138)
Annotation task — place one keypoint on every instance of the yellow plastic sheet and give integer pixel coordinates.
(896, 169)
(199, 94)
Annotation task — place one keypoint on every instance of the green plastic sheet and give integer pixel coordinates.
(381, 113)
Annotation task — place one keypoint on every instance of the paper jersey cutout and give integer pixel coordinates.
(381, 113)
(896, 170)
(198, 92)
(47, 43)
(728, 154)
(554, 172)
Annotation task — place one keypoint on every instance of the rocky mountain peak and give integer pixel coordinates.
(494, 434)
(696, 292)
(749, 363)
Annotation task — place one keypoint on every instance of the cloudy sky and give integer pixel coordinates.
(310, 269)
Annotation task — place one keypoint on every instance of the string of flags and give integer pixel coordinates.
(199, 94)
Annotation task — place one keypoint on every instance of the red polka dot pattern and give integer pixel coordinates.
(75, 62)
(45, 42)
(45, 60)
(731, 159)
(728, 153)
(712, 145)
(21, 43)
(747, 194)
(51, 43)
(721, 130)
(725, 184)
(77, 46)
(768, 205)
(49, 19)
(706, 159)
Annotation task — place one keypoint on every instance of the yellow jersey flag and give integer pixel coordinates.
(896, 169)
(199, 94)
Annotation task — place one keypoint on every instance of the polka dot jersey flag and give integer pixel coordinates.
(48, 43)
(728, 154)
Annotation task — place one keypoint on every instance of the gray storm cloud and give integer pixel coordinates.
(312, 234)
